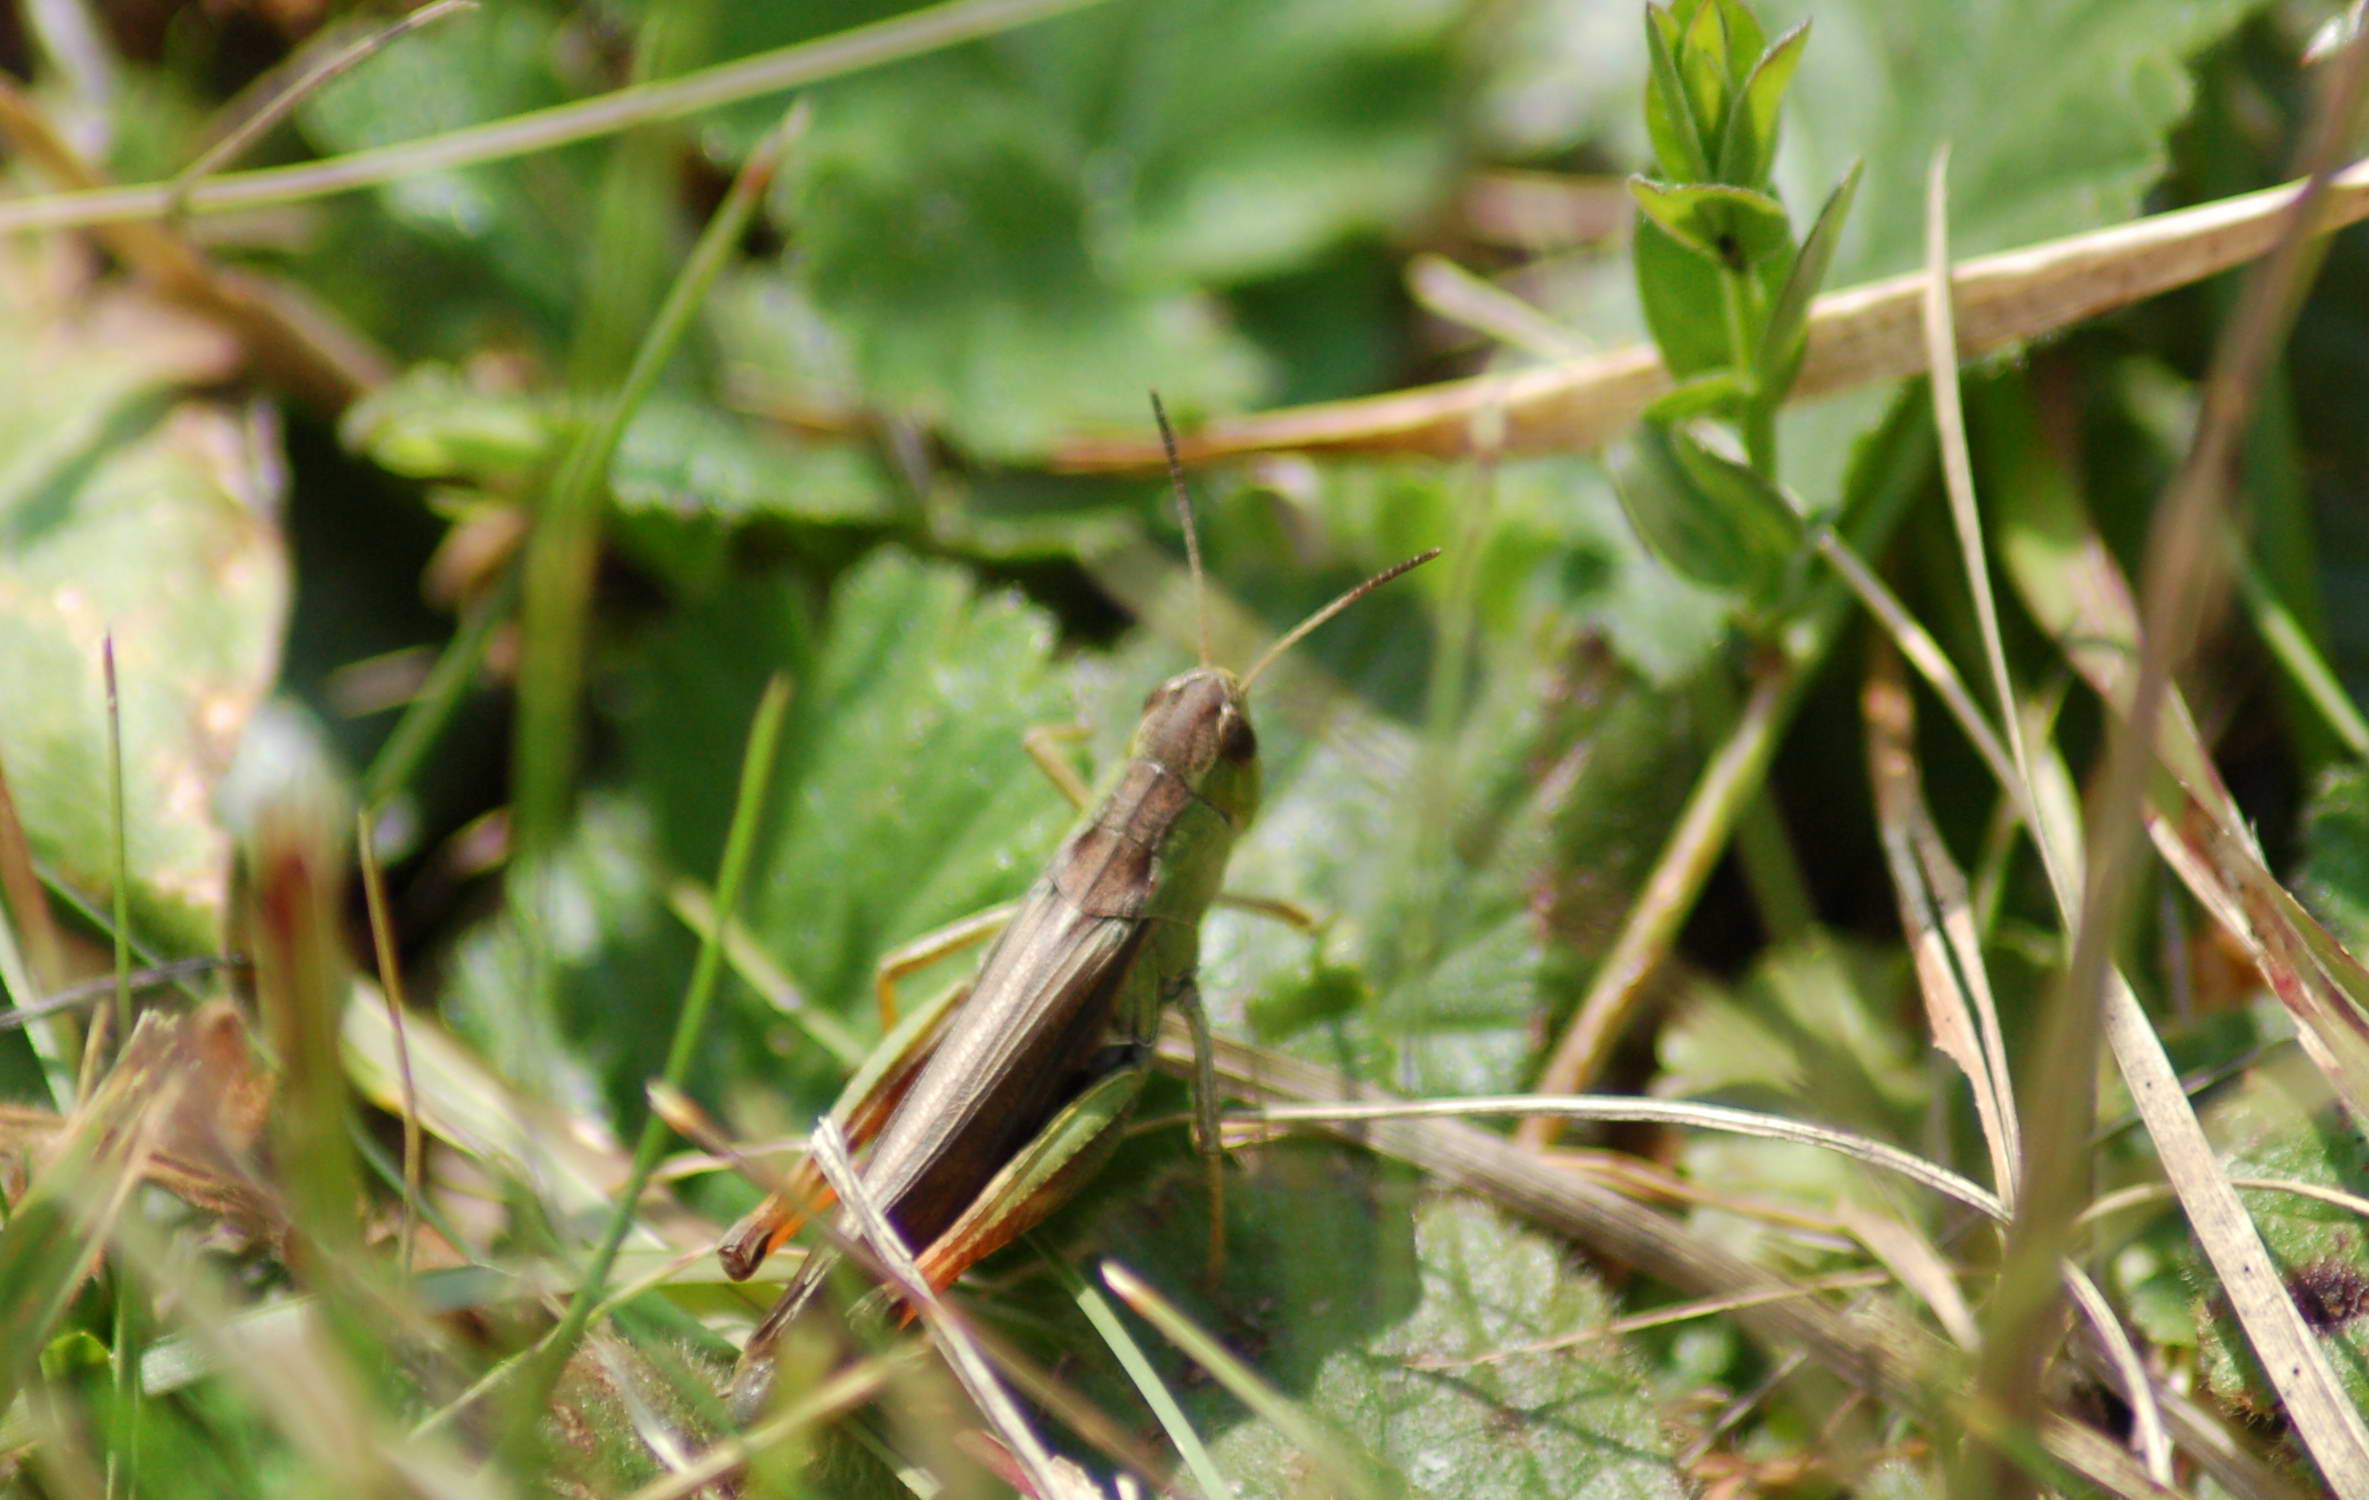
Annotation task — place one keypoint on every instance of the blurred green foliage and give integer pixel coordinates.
(846, 477)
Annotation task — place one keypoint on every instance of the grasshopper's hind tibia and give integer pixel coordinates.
(870, 1097)
(1037, 1180)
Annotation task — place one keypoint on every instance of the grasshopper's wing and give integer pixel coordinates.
(1013, 1056)
(869, 1099)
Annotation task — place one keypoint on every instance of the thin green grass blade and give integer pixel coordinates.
(1351, 1472)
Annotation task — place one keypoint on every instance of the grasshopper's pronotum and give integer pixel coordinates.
(988, 1110)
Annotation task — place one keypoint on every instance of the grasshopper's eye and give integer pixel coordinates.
(1236, 742)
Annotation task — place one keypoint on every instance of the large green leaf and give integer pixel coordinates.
(2281, 1122)
(2055, 113)
(2336, 876)
(943, 231)
(1423, 1359)
(128, 510)
(471, 237)
(903, 800)
(680, 455)
(1016, 239)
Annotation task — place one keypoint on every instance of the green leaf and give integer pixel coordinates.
(2281, 1123)
(1425, 1358)
(1748, 145)
(943, 233)
(2335, 880)
(1718, 394)
(908, 799)
(903, 800)
(1730, 226)
(1015, 240)
(522, 222)
(681, 455)
(432, 423)
(1702, 54)
(1678, 145)
(1709, 518)
(2058, 113)
(619, 962)
(1787, 333)
(1745, 41)
(1681, 295)
(129, 511)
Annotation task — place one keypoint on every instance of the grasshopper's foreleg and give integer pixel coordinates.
(1044, 743)
(911, 958)
(1184, 992)
(1290, 913)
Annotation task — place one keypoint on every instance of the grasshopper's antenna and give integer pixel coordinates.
(1184, 513)
(1299, 632)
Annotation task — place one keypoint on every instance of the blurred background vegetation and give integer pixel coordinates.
(387, 496)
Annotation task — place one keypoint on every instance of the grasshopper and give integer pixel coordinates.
(988, 1109)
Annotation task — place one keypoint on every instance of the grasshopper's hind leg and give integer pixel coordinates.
(1042, 1176)
(870, 1097)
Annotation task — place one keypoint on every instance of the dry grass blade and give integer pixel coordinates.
(284, 96)
(843, 1392)
(2075, 590)
(1935, 915)
(962, 1354)
(1915, 1264)
(2147, 1426)
(296, 342)
(2072, 585)
(1625, 1107)
(35, 963)
(390, 976)
(1857, 336)
(51, 1241)
(303, 1384)
(785, 68)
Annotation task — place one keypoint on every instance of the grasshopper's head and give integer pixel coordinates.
(1197, 725)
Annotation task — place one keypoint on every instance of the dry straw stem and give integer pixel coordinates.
(953, 1339)
(297, 344)
(2094, 998)
(1856, 336)
(1936, 914)
(736, 82)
